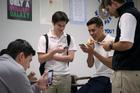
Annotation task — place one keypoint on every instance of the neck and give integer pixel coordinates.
(57, 33)
(102, 38)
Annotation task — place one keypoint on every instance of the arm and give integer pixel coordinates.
(106, 61)
(89, 50)
(127, 25)
(122, 45)
(43, 57)
(65, 58)
(118, 46)
(3, 87)
(90, 60)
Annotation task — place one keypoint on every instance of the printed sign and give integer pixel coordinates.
(19, 9)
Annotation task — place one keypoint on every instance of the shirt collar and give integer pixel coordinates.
(53, 36)
(124, 7)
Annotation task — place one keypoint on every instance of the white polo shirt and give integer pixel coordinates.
(60, 68)
(99, 68)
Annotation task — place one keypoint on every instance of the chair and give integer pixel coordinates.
(75, 85)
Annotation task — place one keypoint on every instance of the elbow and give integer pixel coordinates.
(129, 47)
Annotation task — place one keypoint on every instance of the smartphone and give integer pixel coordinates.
(82, 45)
(50, 77)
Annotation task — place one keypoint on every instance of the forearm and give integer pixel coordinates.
(46, 56)
(104, 60)
(121, 46)
(90, 60)
(63, 58)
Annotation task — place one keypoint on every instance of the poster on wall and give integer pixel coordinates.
(78, 11)
(19, 10)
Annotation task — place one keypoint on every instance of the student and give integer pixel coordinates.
(126, 61)
(97, 57)
(14, 61)
(58, 55)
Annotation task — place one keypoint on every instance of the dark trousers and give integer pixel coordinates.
(99, 84)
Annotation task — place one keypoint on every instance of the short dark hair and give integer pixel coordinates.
(59, 16)
(18, 46)
(108, 2)
(95, 20)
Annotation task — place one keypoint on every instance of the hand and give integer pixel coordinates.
(32, 77)
(42, 82)
(106, 45)
(90, 49)
(83, 47)
(59, 49)
(91, 43)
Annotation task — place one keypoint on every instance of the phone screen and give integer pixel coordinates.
(50, 77)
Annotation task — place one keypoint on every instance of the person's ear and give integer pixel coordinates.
(20, 56)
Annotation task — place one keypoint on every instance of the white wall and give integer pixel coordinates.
(31, 31)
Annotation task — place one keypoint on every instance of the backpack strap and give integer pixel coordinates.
(68, 39)
(47, 42)
(42, 66)
(68, 42)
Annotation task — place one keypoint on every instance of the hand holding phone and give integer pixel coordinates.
(82, 45)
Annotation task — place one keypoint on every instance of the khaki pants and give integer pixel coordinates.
(60, 84)
(126, 82)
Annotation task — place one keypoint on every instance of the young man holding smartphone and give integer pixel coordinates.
(58, 55)
(97, 57)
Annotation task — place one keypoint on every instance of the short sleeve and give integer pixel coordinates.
(42, 45)
(128, 26)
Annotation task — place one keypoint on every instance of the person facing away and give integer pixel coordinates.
(57, 57)
(126, 61)
(97, 57)
(14, 61)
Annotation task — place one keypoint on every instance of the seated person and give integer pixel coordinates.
(14, 61)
